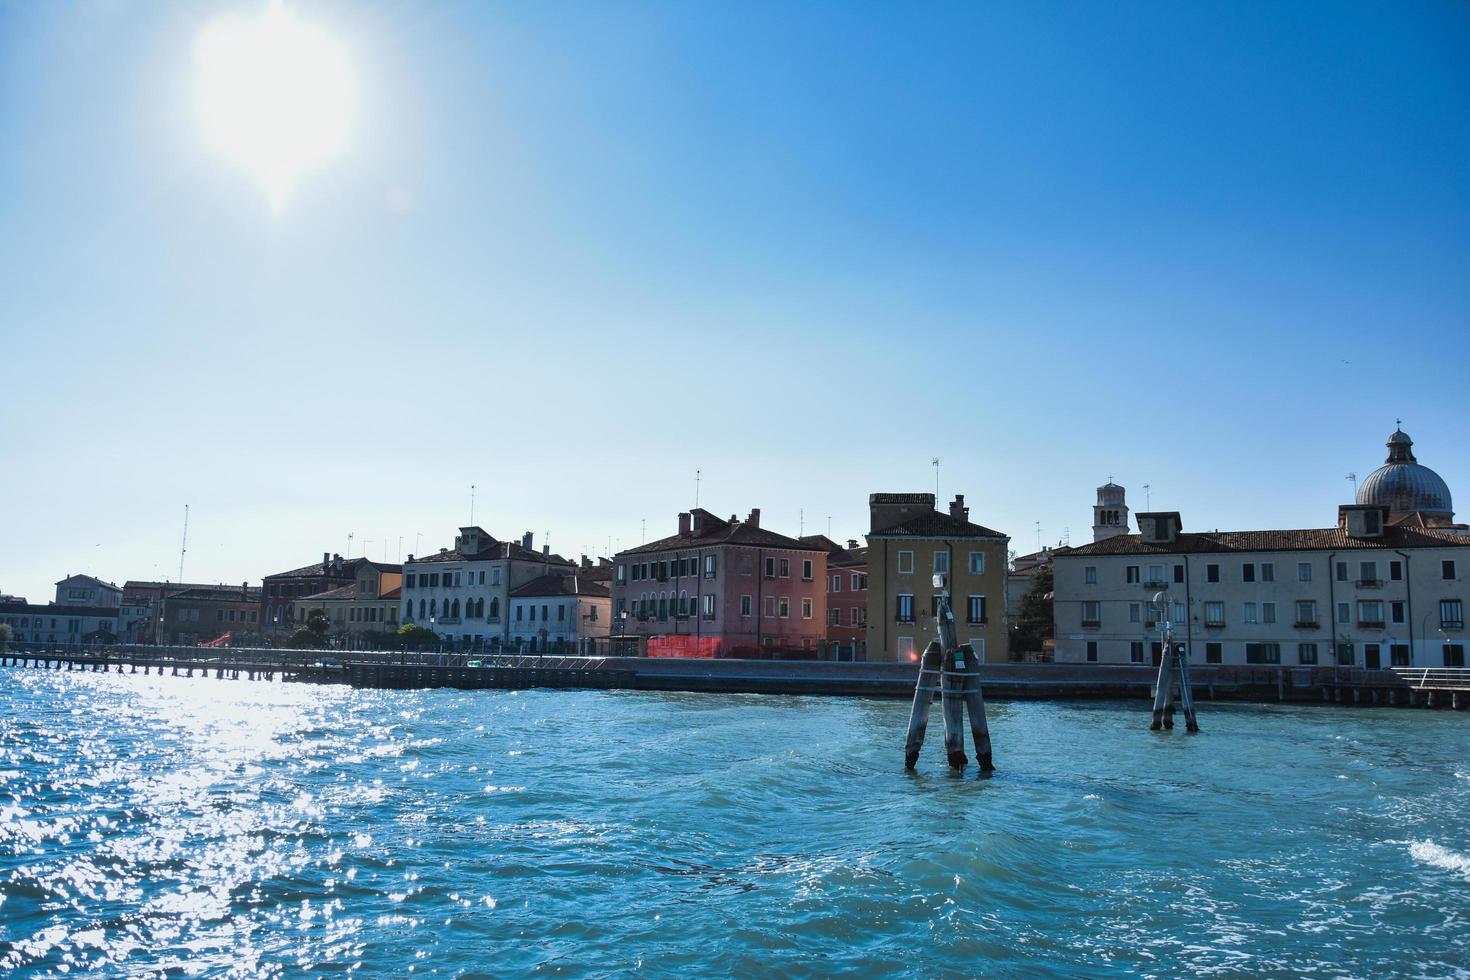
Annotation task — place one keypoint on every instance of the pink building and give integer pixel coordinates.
(847, 598)
(722, 589)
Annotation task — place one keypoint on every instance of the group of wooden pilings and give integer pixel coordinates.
(951, 671)
(1402, 697)
(98, 663)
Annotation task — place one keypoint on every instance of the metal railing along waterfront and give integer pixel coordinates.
(1436, 678)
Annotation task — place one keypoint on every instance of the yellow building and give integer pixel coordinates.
(909, 542)
(368, 605)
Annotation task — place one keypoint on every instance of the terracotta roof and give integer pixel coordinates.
(218, 593)
(556, 585)
(936, 524)
(90, 578)
(348, 591)
(712, 531)
(348, 569)
(1310, 539)
(499, 551)
(392, 595)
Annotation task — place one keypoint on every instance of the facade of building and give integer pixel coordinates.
(1386, 587)
(204, 614)
(142, 606)
(564, 612)
(722, 588)
(847, 598)
(62, 625)
(278, 612)
(908, 544)
(367, 606)
(463, 593)
(85, 590)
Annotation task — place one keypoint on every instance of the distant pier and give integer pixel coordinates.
(1403, 687)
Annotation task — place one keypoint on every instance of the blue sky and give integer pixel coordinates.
(574, 251)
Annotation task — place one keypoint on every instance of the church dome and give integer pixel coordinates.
(1404, 486)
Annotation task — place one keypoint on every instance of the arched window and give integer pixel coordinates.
(455, 614)
(495, 608)
(433, 607)
(421, 609)
(408, 610)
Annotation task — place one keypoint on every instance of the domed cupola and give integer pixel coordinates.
(1404, 486)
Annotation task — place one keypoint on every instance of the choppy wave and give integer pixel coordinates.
(154, 824)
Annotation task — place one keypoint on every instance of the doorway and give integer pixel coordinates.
(1371, 658)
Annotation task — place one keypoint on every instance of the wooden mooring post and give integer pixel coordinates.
(952, 671)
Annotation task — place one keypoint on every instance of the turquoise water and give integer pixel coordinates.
(152, 824)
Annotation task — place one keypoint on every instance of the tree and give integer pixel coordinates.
(414, 635)
(312, 636)
(1034, 622)
(5, 636)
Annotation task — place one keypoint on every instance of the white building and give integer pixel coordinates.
(61, 625)
(1386, 587)
(562, 612)
(463, 594)
(85, 590)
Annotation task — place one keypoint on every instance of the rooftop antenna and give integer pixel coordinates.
(1066, 537)
(800, 521)
(1038, 535)
(365, 543)
(1147, 497)
(417, 538)
(472, 505)
(697, 475)
(829, 525)
(349, 544)
(400, 547)
(1354, 478)
(935, 463)
(644, 522)
(184, 545)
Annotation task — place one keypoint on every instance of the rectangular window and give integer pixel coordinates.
(1304, 571)
(1132, 575)
(1367, 573)
(977, 563)
(745, 602)
(855, 580)
(1214, 653)
(709, 572)
(906, 648)
(806, 609)
(859, 616)
(1452, 614)
(941, 563)
(1395, 571)
(837, 583)
(1248, 572)
(408, 583)
(1306, 612)
(1345, 654)
(806, 569)
(1092, 651)
(1447, 571)
(519, 610)
(1250, 612)
(1135, 652)
(1212, 573)
(561, 614)
(783, 607)
(1454, 654)
(1156, 575)
(1214, 614)
(1398, 654)
(1135, 612)
(1341, 571)
(785, 567)
(1091, 613)
(1089, 575)
(1370, 612)
(709, 605)
(1306, 653)
(1396, 612)
(1268, 571)
(770, 568)
(1263, 653)
(905, 611)
(905, 563)
(1344, 613)
(834, 617)
(975, 612)
(1178, 574)
(1268, 612)
(769, 605)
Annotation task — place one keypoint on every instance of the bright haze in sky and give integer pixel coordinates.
(570, 253)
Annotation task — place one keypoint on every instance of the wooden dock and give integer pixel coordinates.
(393, 670)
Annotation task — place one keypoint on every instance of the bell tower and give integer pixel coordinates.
(1110, 513)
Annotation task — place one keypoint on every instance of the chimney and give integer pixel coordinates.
(244, 591)
(526, 540)
(546, 551)
(754, 520)
(851, 543)
(586, 562)
(957, 508)
(684, 523)
(336, 563)
(326, 560)
(443, 551)
(410, 557)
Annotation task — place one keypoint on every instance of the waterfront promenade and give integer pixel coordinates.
(420, 670)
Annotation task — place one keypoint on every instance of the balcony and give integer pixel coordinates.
(1091, 624)
(977, 622)
(1370, 624)
(1369, 583)
(1307, 624)
(1451, 624)
(1209, 625)
(908, 620)
(1156, 584)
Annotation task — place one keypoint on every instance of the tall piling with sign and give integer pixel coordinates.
(953, 672)
(1173, 673)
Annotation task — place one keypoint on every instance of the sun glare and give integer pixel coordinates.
(275, 95)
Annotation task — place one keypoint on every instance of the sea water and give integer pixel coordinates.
(201, 826)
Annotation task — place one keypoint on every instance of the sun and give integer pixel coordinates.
(275, 95)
